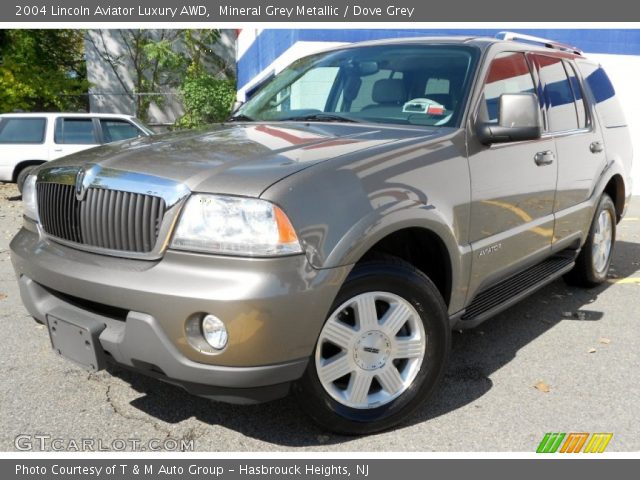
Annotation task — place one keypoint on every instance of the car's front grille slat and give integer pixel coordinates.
(107, 219)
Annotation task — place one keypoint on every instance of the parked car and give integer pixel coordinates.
(328, 237)
(28, 140)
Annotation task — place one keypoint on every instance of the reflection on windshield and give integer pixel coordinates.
(400, 84)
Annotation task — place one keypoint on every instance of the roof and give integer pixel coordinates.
(513, 40)
(64, 114)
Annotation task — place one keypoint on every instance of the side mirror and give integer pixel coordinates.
(518, 119)
(236, 105)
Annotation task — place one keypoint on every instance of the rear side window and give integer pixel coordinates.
(22, 130)
(114, 130)
(558, 100)
(75, 131)
(603, 93)
(509, 73)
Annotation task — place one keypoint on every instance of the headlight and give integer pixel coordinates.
(235, 226)
(29, 198)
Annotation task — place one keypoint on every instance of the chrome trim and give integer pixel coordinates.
(162, 243)
(95, 176)
(113, 179)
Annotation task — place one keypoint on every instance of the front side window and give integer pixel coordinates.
(22, 130)
(115, 130)
(559, 101)
(509, 73)
(400, 84)
(75, 131)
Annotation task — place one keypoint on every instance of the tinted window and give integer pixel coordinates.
(509, 73)
(114, 130)
(603, 93)
(558, 95)
(22, 130)
(75, 131)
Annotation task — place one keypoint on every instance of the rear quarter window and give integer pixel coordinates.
(22, 130)
(604, 95)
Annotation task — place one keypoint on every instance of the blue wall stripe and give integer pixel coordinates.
(270, 44)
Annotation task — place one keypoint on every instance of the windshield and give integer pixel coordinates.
(400, 84)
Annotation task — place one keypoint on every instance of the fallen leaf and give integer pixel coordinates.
(604, 340)
(592, 350)
(543, 387)
(2, 296)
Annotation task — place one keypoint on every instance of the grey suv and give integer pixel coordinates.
(328, 237)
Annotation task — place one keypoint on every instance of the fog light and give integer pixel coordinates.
(214, 332)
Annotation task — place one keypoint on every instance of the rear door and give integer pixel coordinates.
(512, 185)
(73, 134)
(579, 145)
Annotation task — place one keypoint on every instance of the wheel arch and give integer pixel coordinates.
(615, 188)
(422, 248)
(23, 164)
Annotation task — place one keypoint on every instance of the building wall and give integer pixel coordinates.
(263, 52)
(108, 95)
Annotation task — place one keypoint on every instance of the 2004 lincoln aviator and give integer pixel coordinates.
(325, 240)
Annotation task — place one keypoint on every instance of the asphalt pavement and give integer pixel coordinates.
(563, 360)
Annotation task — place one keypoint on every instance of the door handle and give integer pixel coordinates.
(596, 147)
(544, 158)
(57, 149)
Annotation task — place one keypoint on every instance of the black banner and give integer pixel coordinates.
(315, 469)
(316, 11)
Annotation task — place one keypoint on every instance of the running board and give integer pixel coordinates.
(506, 293)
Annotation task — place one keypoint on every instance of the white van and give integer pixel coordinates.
(30, 139)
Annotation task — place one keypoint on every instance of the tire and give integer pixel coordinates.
(400, 299)
(23, 174)
(594, 260)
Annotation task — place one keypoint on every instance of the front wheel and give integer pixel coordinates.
(592, 265)
(381, 351)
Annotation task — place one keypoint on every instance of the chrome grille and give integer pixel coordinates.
(109, 219)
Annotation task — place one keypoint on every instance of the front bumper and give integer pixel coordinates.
(273, 309)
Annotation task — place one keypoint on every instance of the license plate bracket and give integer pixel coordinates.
(77, 340)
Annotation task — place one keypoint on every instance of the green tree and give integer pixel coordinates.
(206, 98)
(43, 70)
(208, 88)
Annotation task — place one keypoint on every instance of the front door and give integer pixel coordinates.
(512, 186)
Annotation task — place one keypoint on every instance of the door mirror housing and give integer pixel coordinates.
(518, 119)
(236, 105)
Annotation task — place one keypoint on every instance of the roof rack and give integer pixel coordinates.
(521, 37)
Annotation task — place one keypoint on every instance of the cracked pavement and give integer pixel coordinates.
(583, 344)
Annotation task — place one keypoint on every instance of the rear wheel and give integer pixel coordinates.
(592, 265)
(381, 351)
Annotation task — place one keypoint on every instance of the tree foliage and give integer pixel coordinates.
(206, 98)
(42, 70)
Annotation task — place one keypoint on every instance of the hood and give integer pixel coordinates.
(241, 159)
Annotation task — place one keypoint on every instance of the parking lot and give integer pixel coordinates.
(564, 360)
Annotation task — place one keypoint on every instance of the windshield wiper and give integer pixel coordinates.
(240, 118)
(322, 117)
